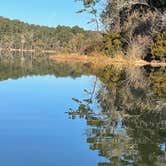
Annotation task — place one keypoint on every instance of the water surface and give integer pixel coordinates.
(61, 114)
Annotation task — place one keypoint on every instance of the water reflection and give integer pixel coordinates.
(130, 128)
(125, 110)
(15, 66)
(34, 129)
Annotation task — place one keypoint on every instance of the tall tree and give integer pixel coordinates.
(90, 6)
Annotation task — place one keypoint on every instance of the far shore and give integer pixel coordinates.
(28, 50)
(101, 60)
(96, 59)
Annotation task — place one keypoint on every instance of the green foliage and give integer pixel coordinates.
(109, 74)
(16, 34)
(159, 47)
(88, 3)
(158, 82)
(14, 66)
(112, 43)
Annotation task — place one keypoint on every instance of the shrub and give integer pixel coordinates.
(112, 43)
(158, 49)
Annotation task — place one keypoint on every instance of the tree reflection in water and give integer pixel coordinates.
(130, 128)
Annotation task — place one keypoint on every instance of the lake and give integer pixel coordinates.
(70, 114)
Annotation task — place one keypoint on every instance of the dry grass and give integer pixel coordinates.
(99, 60)
(135, 51)
(136, 77)
(95, 59)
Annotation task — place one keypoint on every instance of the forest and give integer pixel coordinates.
(15, 34)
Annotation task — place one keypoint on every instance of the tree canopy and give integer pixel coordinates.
(17, 34)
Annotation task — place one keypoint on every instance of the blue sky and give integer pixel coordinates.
(45, 12)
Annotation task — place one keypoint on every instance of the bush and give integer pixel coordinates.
(158, 49)
(112, 43)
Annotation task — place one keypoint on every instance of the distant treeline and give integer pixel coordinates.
(15, 34)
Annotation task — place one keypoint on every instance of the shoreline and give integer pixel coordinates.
(95, 59)
(24, 50)
(102, 60)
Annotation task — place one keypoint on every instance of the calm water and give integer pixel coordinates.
(62, 114)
